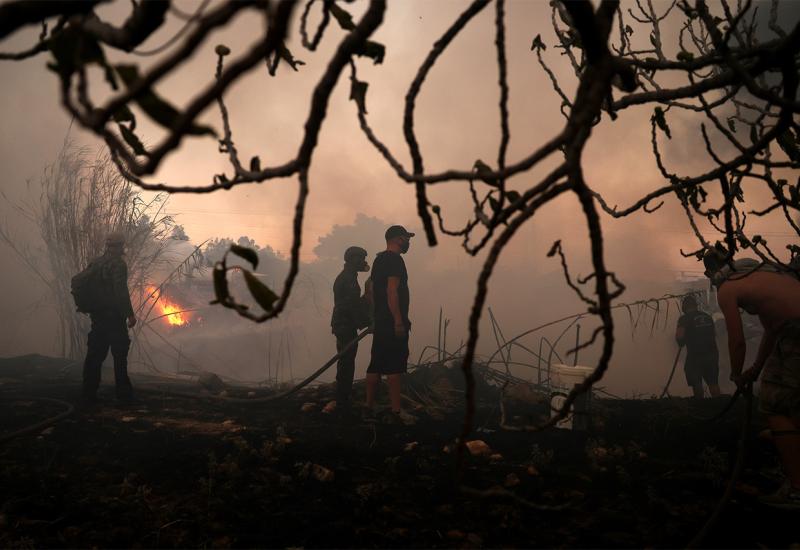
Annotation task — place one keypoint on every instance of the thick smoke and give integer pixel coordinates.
(355, 195)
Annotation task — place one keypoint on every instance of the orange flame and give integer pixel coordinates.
(172, 313)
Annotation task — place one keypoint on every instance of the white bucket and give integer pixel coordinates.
(562, 379)
(566, 376)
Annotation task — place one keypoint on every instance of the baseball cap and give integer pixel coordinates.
(397, 231)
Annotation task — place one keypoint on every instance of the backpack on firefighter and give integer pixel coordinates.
(88, 288)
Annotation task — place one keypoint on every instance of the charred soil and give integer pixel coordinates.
(175, 471)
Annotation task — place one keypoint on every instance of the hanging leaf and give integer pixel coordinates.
(222, 50)
(753, 134)
(788, 143)
(482, 217)
(628, 30)
(72, 48)
(688, 10)
(538, 44)
(693, 198)
(743, 242)
(262, 294)
(436, 208)
(794, 194)
(512, 196)
(255, 164)
(342, 17)
(358, 93)
(685, 56)
(575, 39)
(124, 114)
(246, 253)
(483, 171)
(156, 108)
(661, 121)
(132, 140)
(220, 284)
(65, 48)
(736, 190)
(732, 124)
(110, 76)
(494, 203)
(373, 50)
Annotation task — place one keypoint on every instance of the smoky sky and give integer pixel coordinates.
(457, 122)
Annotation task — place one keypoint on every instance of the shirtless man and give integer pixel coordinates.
(775, 298)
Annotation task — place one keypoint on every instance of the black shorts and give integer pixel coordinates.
(389, 353)
(699, 368)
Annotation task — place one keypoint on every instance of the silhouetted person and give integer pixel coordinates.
(109, 316)
(349, 315)
(696, 331)
(391, 299)
(774, 296)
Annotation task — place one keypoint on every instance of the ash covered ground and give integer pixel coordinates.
(181, 468)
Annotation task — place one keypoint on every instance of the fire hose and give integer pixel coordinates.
(69, 408)
(39, 426)
(738, 466)
(728, 406)
(328, 364)
(672, 372)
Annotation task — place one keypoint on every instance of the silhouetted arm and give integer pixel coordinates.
(737, 347)
(764, 351)
(393, 298)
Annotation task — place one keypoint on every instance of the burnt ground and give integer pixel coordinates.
(173, 471)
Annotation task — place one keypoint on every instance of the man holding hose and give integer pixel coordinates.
(696, 332)
(774, 295)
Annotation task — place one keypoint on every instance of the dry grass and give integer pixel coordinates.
(83, 198)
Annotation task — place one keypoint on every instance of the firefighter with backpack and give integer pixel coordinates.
(101, 290)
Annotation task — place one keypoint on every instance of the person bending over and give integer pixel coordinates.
(774, 297)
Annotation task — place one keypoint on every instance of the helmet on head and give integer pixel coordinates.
(356, 257)
(355, 254)
(115, 239)
(720, 267)
(714, 259)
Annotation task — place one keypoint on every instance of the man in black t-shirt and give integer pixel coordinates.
(696, 331)
(390, 300)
